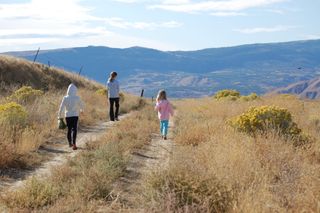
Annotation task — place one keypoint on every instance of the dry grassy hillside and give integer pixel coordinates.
(28, 115)
(17, 72)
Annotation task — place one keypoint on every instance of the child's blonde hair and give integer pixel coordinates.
(162, 95)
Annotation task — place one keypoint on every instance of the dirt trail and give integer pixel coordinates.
(153, 156)
(60, 156)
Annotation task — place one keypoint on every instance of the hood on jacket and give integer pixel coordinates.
(72, 90)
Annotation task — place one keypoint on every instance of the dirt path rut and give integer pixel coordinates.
(60, 156)
(153, 156)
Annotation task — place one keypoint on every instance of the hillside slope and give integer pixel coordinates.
(18, 72)
(247, 68)
(304, 89)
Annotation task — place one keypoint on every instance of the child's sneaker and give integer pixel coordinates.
(165, 137)
(74, 147)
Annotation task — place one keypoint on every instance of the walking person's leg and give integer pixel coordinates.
(162, 128)
(74, 130)
(165, 128)
(69, 125)
(117, 101)
(111, 111)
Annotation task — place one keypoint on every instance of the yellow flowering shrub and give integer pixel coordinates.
(263, 119)
(251, 97)
(12, 114)
(227, 94)
(102, 91)
(25, 94)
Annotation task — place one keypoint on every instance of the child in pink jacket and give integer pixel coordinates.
(164, 109)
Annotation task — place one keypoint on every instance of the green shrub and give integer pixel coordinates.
(251, 97)
(227, 94)
(12, 114)
(263, 119)
(25, 94)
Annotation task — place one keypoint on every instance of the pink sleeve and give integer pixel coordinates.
(157, 107)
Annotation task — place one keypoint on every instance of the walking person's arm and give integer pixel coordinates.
(62, 108)
(171, 109)
(157, 106)
(118, 88)
(81, 106)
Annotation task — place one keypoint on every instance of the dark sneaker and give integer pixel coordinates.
(165, 137)
(74, 147)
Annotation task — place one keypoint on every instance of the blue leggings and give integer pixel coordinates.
(164, 124)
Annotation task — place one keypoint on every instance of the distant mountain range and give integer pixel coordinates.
(248, 68)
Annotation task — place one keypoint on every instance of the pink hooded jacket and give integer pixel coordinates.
(164, 109)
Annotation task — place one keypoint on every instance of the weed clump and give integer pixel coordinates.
(103, 92)
(26, 94)
(227, 94)
(12, 114)
(234, 95)
(251, 97)
(35, 194)
(265, 119)
(183, 191)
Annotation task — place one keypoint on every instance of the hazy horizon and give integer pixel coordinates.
(60, 48)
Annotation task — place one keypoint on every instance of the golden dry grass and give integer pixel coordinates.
(84, 184)
(19, 145)
(262, 174)
(17, 72)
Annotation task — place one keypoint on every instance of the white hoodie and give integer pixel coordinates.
(71, 104)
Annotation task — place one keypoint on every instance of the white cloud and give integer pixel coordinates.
(137, 1)
(265, 29)
(64, 23)
(121, 23)
(65, 11)
(311, 36)
(276, 11)
(225, 14)
(176, 2)
(212, 5)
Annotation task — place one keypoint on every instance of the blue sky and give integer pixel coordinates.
(160, 24)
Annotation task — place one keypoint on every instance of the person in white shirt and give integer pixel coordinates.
(70, 108)
(113, 94)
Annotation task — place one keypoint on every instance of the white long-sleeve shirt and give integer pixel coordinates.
(71, 104)
(113, 89)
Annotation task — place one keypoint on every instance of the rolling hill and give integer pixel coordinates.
(304, 89)
(248, 68)
(17, 72)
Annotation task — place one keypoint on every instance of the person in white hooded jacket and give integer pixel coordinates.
(70, 108)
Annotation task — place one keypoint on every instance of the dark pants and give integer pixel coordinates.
(72, 123)
(114, 114)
